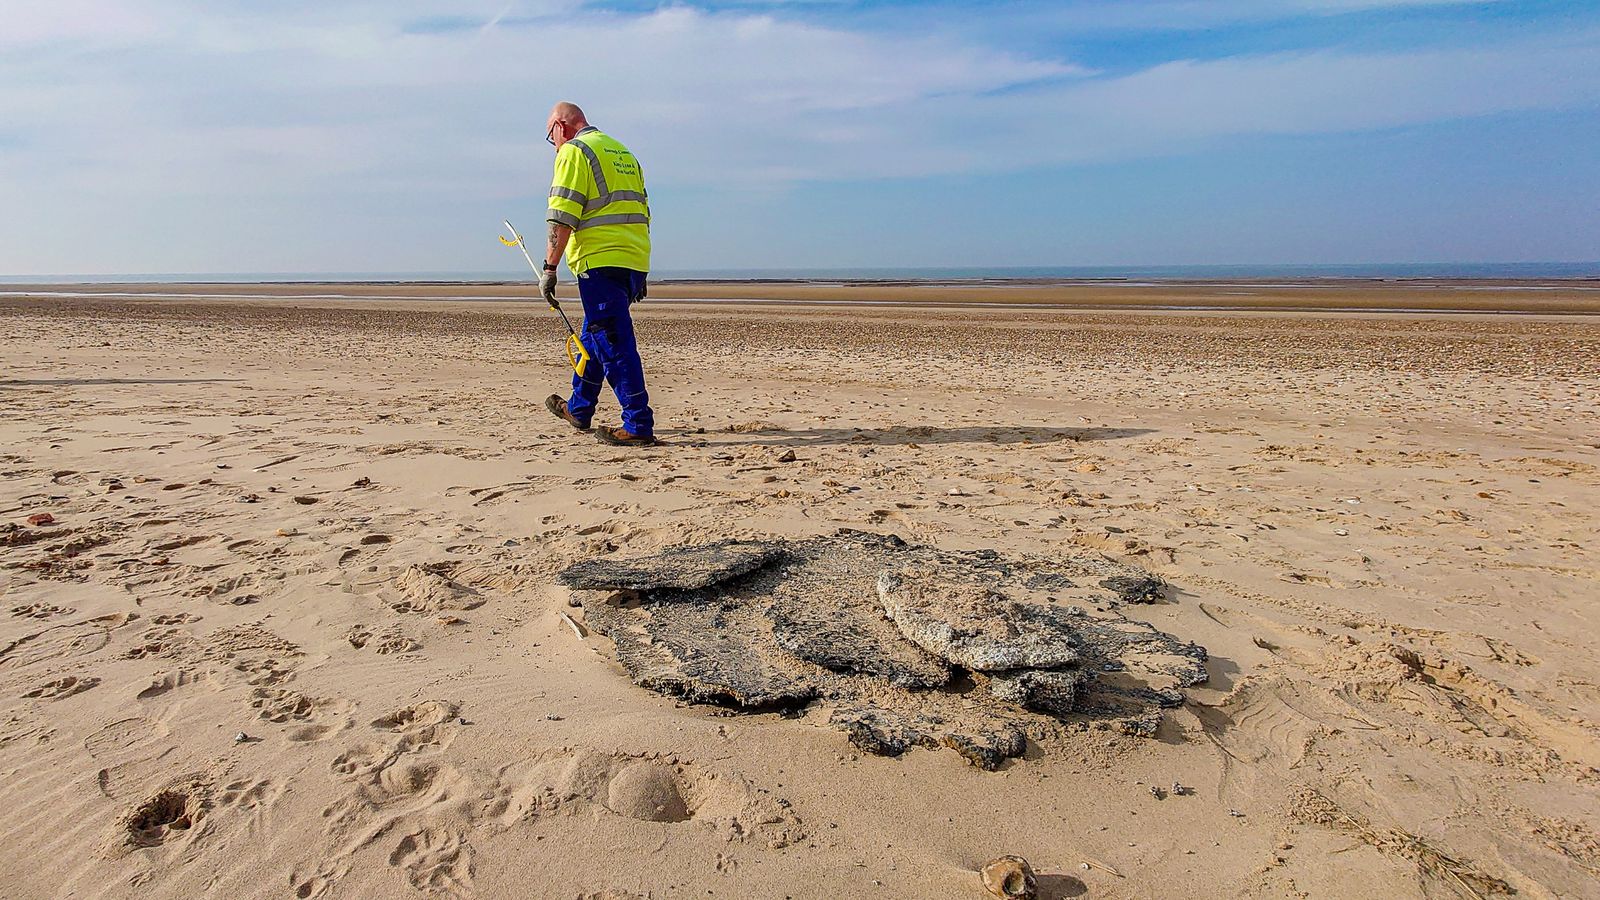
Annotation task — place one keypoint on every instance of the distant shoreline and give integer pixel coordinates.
(1591, 277)
(1118, 281)
(1542, 296)
(512, 272)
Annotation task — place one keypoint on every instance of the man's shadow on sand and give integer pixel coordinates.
(928, 434)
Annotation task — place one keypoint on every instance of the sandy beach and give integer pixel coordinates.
(330, 518)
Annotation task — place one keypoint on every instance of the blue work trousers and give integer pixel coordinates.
(613, 354)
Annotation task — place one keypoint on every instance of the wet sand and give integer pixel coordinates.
(1555, 296)
(334, 524)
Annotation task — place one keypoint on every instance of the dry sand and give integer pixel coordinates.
(334, 525)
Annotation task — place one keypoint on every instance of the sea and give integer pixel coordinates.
(1372, 271)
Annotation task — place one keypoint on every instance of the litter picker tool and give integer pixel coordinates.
(576, 354)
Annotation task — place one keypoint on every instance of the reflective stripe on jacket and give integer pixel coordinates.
(598, 192)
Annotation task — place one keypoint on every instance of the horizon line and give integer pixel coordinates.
(512, 274)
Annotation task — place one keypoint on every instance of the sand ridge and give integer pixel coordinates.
(336, 531)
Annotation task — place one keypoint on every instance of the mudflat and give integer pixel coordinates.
(1558, 296)
(288, 620)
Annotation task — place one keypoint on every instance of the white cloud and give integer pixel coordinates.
(1179, 14)
(81, 22)
(1172, 106)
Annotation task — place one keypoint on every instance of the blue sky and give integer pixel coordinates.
(231, 136)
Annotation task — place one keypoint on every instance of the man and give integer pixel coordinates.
(599, 216)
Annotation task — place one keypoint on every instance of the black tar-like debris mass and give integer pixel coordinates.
(909, 646)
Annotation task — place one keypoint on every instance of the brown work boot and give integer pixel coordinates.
(558, 407)
(622, 438)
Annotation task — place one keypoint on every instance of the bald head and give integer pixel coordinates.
(568, 114)
(566, 120)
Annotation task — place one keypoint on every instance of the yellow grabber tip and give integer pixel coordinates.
(577, 354)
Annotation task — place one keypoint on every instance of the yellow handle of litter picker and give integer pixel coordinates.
(577, 354)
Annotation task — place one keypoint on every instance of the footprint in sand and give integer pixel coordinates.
(421, 727)
(1461, 704)
(425, 780)
(393, 641)
(249, 802)
(413, 719)
(403, 797)
(65, 686)
(131, 779)
(238, 590)
(393, 789)
(279, 705)
(363, 759)
(123, 734)
(170, 681)
(63, 641)
(249, 793)
(167, 815)
(314, 885)
(436, 860)
(175, 619)
(310, 734)
(39, 610)
(167, 643)
(534, 486)
(263, 672)
(180, 543)
(368, 548)
(385, 640)
(24, 725)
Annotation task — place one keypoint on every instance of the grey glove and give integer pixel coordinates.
(547, 286)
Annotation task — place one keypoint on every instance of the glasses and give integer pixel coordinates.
(550, 136)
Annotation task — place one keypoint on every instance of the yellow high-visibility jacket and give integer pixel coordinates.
(598, 191)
